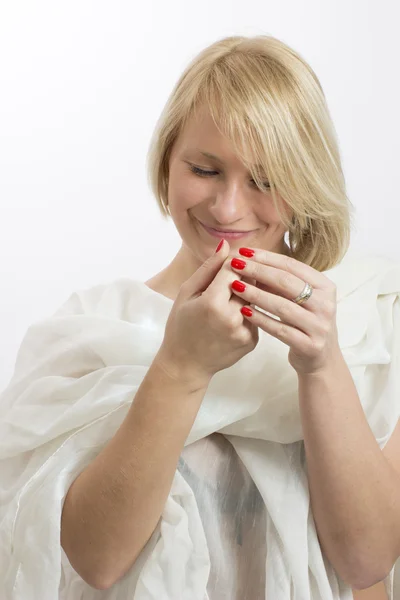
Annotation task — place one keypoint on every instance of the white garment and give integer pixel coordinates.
(76, 375)
(233, 515)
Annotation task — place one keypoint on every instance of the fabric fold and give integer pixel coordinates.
(76, 375)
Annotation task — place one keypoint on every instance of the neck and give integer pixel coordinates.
(184, 264)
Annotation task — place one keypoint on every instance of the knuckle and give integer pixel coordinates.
(317, 345)
(328, 307)
(325, 328)
(211, 307)
(253, 339)
(256, 296)
(285, 280)
(184, 286)
(333, 289)
(291, 263)
(242, 336)
(235, 322)
(283, 330)
(285, 308)
(256, 270)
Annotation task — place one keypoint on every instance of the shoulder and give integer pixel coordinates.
(361, 271)
(368, 300)
(112, 298)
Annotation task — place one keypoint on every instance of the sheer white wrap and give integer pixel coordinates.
(75, 377)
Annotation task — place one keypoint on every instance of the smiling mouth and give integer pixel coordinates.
(225, 234)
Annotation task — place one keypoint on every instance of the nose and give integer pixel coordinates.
(230, 204)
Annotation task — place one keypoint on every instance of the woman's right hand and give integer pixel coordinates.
(205, 331)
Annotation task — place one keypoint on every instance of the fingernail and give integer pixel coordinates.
(220, 245)
(238, 286)
(245, 310)
(246, 252)
(237, 263)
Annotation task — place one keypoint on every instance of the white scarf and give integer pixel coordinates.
(76, 375)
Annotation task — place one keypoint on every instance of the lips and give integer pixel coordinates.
(225, 231)
(228, 235)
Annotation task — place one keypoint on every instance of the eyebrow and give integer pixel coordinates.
(209, 155)
(214, 157)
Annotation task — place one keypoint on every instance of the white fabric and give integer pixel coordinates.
(75, 377)
(233, 515)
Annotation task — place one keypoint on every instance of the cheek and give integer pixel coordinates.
(185, 192)
(271, 215)
(268, 214)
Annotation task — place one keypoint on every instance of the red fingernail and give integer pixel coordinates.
(245, 310)
(238, 286)
(237, 263)
(246, 252)
(220, 245)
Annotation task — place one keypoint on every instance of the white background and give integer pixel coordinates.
(82, 84)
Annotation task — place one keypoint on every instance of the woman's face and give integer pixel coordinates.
(222, 197)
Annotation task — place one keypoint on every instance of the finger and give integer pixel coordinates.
(288, 312)
(273, 280)
(249, 280)
(235, 299)
(220, 286)
(288, 264)
(293, 337)
(270, 279)
(205, 274)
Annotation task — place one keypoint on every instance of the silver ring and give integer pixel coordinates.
(305, 294)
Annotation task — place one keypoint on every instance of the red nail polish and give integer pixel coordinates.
(220, 245)
(245, 310)
(238, 286)
(237, 263)
(246, 252)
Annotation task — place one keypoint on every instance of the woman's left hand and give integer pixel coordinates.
(309, 329)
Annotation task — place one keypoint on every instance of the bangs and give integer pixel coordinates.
(236, 121)
(267, 102)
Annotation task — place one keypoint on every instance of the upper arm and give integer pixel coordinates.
(376, 592)
(392, 449)
(392, 453)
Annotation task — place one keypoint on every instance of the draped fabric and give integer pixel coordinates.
(238, 521)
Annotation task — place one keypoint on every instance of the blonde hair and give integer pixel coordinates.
(270, 105)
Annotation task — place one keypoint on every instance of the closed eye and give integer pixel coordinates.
(204, 173)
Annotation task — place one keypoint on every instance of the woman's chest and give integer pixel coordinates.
(234, 519)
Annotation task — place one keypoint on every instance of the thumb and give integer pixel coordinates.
(201, 279)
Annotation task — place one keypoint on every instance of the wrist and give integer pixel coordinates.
(331, 369)
(180, 373)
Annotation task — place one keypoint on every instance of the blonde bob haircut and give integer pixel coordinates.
(268, 102)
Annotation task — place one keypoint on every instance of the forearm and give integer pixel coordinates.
(354, 490)
(114, 505)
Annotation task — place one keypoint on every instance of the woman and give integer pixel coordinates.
(239, 470)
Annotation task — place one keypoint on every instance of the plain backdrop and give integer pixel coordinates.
(82, 84)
